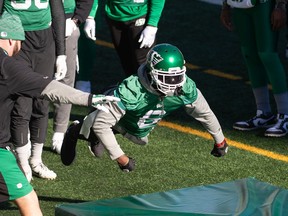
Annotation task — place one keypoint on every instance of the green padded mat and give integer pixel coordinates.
(248, 197)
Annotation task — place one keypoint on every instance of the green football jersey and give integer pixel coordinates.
(34, 14)
(69, 6)
(145, 109)
(126, 10)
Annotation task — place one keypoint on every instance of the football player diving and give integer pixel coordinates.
(160, 87)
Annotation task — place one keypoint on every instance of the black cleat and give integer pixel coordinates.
(68, 149)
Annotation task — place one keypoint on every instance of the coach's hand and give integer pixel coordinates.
(90, 28)
(70, 27)
(219, 150)
(61, 67)
(147, 36)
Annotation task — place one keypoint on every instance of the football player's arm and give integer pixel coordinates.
(82, 10)
(201, 111)
(94, 8)
(102, 127)
(155, 8)
(90, 24)
(60, 93)
(58, 25)
(148, 35)
(225, 16)
(278, 16)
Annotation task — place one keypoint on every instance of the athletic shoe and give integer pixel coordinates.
(261, 120)
(68, 149)
(57, 141)
(280, 129)
(96, 148)
(42, 171)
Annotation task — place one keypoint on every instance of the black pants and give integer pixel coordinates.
(125, 36)
(37, 52)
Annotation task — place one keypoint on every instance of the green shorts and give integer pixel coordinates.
(13, 183)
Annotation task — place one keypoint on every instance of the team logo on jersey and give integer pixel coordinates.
(140, 22)
(155, 58)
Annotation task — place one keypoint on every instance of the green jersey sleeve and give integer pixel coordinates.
(125, 10)
(94, 9)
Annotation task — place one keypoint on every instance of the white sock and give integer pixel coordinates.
(24, 153)
(58, 136)
(36, 153)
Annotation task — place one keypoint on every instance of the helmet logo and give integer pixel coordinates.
(155, 58)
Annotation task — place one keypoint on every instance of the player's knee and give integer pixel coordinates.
(269, 58)
(250, 55)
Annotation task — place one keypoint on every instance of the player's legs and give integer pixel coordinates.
(20, 118)
(136, 27)
(244, 25)
(62, 111)
(267, 47)
(38, 130)
(14, 185)
(125, 36)
(86, 55)
(43, 62)
(29, 205)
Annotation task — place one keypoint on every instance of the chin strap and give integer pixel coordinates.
(178, 91)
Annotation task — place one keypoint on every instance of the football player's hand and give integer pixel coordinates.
(129, 166)
(61, 67)
(99, 100)
(219, 150)
(278, 17)
(70, 27)
(225, 17)
(147, 36)
(89, 28)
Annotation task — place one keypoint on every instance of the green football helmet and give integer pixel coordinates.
(165, 64)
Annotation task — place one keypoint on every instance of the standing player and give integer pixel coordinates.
(76, 12)
(257, 24)
(44, 26)
(160, 87)
(133, 26)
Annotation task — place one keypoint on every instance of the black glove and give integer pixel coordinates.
(220, 150)
(130, 166)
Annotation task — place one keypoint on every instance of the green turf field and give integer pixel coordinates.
(174, 159)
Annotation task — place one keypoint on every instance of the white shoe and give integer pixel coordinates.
(280, 129)
(57, 141)
(42, 171)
